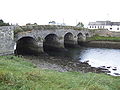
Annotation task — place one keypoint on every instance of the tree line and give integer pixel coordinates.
(2, 23)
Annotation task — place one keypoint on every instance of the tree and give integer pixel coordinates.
(80, 24)
(2, 23)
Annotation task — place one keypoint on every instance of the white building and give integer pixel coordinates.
(111, 26)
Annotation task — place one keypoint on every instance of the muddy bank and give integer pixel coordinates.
(62, 64)
(102, 44)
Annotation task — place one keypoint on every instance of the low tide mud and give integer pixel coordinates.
(62, 64)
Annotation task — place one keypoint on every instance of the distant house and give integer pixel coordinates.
(111, 26)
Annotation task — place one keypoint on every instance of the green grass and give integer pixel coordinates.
(102, 38)
(18, 74)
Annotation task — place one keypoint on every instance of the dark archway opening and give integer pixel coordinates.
(51, 43)
(80, 39)
(27, 46)
(69, 40)
(87, 35)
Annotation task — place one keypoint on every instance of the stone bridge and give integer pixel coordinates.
(35, 39)
(43, 40)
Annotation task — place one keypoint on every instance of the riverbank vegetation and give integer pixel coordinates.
(103, 38)
(18, 74)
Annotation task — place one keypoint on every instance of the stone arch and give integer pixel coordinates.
(68, 40)
(26, 46)
(51, 43)
(80, 38)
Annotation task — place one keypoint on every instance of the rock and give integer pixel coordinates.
(109, 67)
(115, 68)
(78, 58)
(102, 66)
(116, 73)
(64, 64)
(85, 63)
(74, 65)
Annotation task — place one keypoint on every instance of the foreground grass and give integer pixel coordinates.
(18, 74)
(104, 38)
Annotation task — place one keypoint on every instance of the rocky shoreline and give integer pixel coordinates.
(62, 64)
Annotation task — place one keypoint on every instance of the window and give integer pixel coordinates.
(90, 26)
(95, 26)
(103, 26)
(117, 28)
(110, 28)
(98, 26)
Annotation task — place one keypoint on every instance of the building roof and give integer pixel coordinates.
(104, 23)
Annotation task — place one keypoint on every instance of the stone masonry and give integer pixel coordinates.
(6, 40)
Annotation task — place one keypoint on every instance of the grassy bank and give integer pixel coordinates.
(18, 74)
(102, 38)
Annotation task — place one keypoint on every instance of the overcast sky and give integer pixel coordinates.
(69, 11)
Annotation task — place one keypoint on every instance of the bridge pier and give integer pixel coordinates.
(81, 38)
(40, 44)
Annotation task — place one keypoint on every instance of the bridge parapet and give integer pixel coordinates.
(44, 27)
(49, 27)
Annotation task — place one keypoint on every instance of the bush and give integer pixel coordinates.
(2, 23)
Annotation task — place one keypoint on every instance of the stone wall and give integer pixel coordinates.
(6, 40)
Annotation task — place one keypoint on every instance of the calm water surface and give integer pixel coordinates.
(100, 57)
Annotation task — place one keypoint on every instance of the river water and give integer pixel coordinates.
(97, 57)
